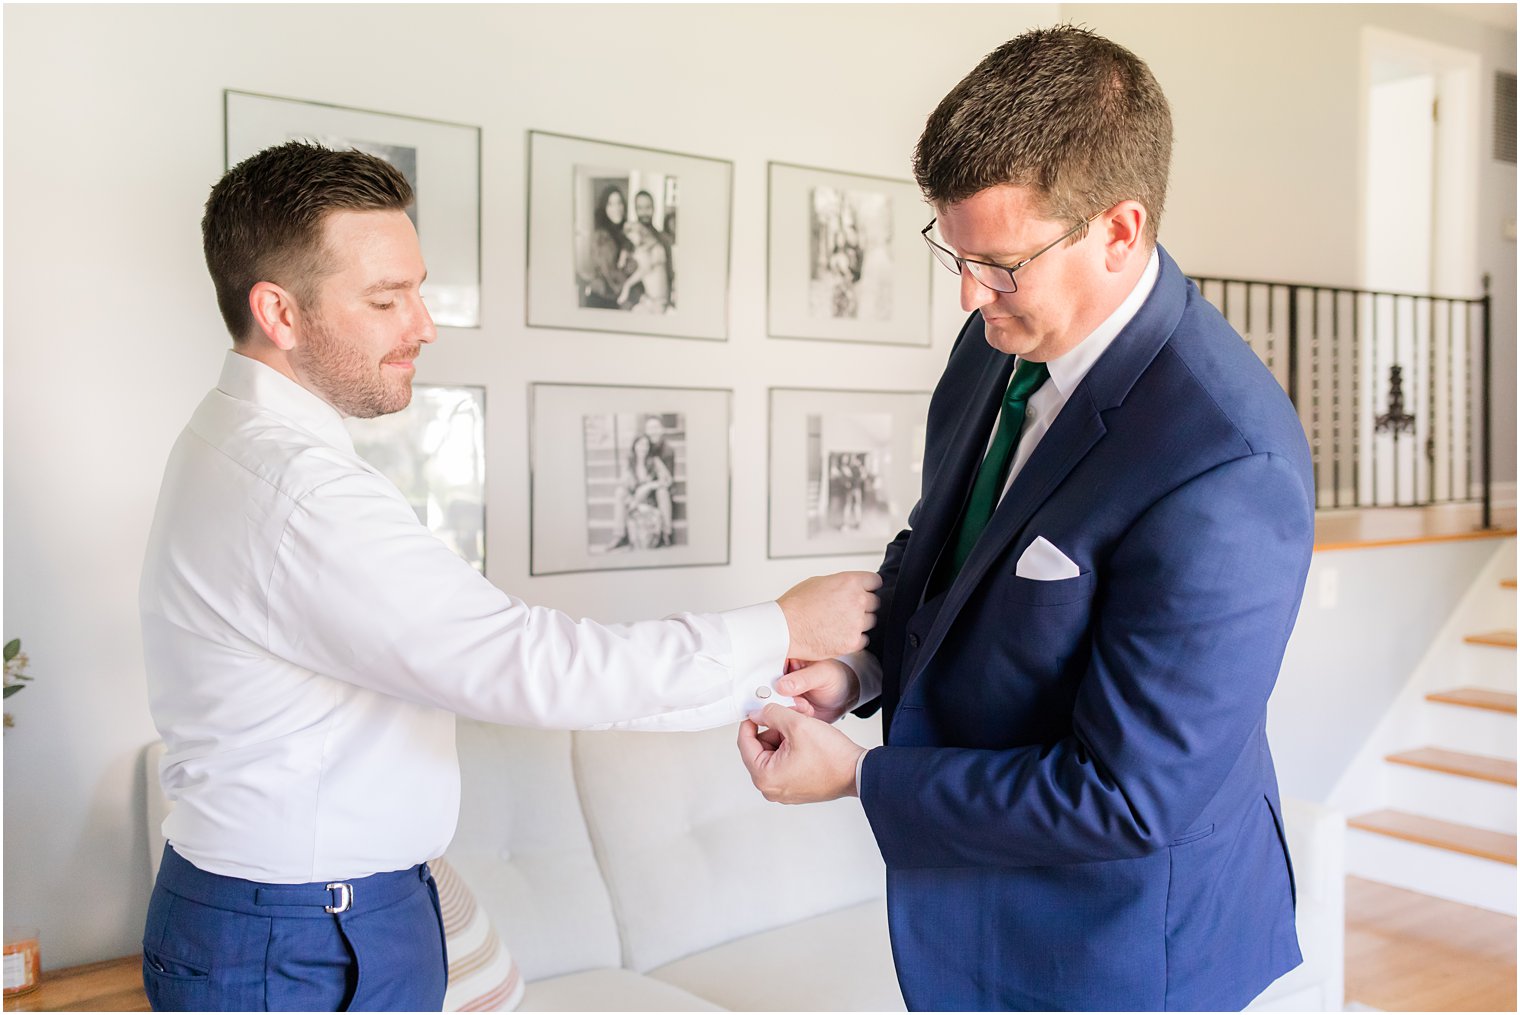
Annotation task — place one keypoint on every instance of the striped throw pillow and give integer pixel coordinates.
(483, 976)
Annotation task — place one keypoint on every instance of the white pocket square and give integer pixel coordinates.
(1044, 563)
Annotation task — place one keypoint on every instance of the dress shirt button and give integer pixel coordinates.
(913, 641)
(762, 692)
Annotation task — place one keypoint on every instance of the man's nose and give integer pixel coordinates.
(427, 331)
(974, 295)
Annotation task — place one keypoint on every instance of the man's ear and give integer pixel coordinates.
(1124, 234)
(275, 314)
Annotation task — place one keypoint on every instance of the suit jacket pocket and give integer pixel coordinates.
(1032, 592)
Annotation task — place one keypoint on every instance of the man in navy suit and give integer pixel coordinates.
(1083, 622)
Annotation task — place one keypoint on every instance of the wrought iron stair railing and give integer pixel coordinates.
(1394, 389)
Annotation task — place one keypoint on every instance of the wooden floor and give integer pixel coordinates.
(1410, 952)
(1350, 529)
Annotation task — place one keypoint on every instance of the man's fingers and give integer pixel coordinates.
(803, 706)
(800, 681)
(779, 718)
(750, 747)
(770, 738)
(872, 580)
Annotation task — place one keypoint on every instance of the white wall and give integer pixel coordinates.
(113, 131)
(1266, 176)
(1368, 618)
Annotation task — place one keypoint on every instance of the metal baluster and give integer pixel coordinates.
(1488, 409)
(1430, 401)
(1248, 332)
(1271, 329)
(1376, 382)
(1451, 401)
(1356, 403)
(1335, 396)
(1314, 443)
(1293, 345)
(1390, 408)
(1467, 398)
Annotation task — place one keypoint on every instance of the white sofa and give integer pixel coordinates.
(642, 872)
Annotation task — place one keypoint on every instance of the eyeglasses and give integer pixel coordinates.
(997, 277)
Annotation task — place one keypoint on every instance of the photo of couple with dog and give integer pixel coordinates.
(625, 262)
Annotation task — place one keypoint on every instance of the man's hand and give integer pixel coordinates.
(798, 760)
(823, 690)
(828, 616)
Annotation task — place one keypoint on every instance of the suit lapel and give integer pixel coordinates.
(1077, 429)
(952, 484)
(1068, 441)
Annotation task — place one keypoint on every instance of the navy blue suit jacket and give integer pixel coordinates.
(1076, 802)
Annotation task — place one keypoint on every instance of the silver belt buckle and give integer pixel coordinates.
(345, 897)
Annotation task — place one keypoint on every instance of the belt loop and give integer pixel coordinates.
(424, 872)
(343, 897)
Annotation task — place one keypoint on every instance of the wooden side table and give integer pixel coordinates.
(112, 985)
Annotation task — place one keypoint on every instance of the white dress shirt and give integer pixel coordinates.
(1066, 372)
(308, 643)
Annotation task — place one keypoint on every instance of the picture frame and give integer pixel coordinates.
(626, 477)
(439, 158)
(605, 250)
(434, 451)
(845, 469)
(844, 259)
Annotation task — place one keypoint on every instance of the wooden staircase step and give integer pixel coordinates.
(1479, 842)
(1471, 766)
(1476, 697)
(1507, 583)
(1498, 639)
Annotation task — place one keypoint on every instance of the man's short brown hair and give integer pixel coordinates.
(264, 219)
(1068, 114)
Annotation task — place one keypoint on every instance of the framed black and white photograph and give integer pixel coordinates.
(440, 160)
(626, 239)
(628, 477)
(846, 467)
(846, 262)
(434, 451)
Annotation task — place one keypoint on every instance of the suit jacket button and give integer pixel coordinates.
(913, 641)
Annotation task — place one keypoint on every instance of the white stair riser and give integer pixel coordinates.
(1494, 612)
(1469, 880)
(1452, 798)
(1474, 730)
(1485, 666)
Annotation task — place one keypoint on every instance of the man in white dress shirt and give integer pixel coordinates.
(308, 643)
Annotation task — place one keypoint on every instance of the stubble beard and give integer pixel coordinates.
(348, 380)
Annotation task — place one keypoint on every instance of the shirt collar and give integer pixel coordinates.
(1067, 371)
(248, 379)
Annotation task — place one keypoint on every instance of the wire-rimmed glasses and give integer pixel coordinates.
(997, 277)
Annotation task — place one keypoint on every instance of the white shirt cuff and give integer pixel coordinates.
(860, 764)
(868, 671)
(758, 641)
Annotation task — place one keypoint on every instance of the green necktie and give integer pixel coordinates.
(994, 471)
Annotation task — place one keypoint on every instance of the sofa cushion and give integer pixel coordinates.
(840, 961)
(523, 849)
(694, 856)
(609, 990)
(482, 975)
